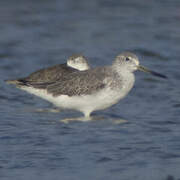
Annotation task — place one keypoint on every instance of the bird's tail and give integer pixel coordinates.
(16, 82)
(24, 82)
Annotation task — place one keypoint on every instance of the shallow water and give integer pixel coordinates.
(37, 34)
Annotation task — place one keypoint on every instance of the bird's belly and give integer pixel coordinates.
(91, 102)
(97, 101)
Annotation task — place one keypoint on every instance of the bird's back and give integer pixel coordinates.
(81, 82)
(46, 75)
(50, 74)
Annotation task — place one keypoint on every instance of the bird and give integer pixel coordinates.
(93, 89)
(52, 74)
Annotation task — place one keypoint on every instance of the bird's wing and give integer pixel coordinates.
(44, 77)
(50, 74)
(80, 83)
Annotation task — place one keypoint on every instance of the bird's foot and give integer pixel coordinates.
(82, 119)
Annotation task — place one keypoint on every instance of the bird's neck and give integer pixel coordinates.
(121, 70)
(126, 76)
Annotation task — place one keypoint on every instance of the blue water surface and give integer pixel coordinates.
(36, 34)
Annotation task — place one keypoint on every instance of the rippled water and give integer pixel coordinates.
(36, 34)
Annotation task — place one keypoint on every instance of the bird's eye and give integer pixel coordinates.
(127, 59)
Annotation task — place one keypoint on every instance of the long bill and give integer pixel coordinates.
(144, 69)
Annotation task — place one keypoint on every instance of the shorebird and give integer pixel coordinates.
(94, 89)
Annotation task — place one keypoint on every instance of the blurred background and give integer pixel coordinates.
(36, 34)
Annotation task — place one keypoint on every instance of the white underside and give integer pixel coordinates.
(84, 103)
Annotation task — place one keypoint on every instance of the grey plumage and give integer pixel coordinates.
(50, 74)
(80, 83)
(43, 77)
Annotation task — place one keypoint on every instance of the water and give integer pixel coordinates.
(36, 34)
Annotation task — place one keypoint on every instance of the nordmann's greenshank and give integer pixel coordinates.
(90, 90)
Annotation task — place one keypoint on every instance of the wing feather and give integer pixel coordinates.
(50, 74)
(79, 83)
(42, 78)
